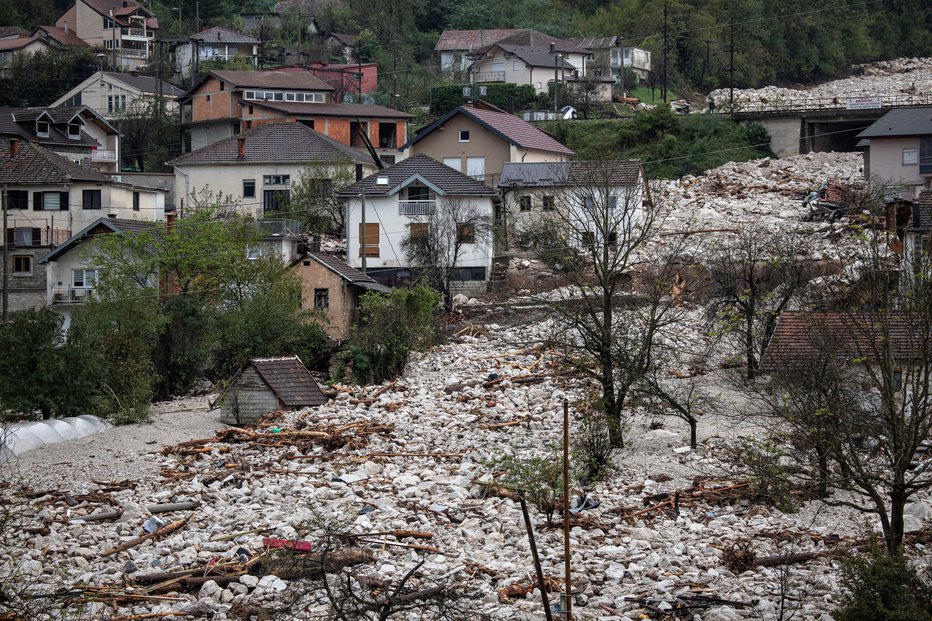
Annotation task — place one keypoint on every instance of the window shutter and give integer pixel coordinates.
(372, 239)
(36, 237)
(64, 201)
(10, 236)
(37, 200)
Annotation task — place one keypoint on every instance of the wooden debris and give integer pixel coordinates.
(507, 423)
(517, 590)
(126, 545)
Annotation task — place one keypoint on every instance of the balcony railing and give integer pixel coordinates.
(137, 33)
(490, 76)
(278, 227)
(416, 208)
(132, 52)
(103, 155)
(72, 295)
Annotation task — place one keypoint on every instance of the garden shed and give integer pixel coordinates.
(268, 384)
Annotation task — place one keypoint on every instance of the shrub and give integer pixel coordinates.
(538, 477)
(592, 444)
(883, 588)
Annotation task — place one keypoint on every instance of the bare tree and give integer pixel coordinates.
(868, 413)
(315, 202)
(601, 241)
(438, 243)
(754, 277)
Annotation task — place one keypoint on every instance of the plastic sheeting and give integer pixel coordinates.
(21, 437)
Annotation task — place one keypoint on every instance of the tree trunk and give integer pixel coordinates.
(749, 348)
(893, 532)
(822, 456)
(693, 440)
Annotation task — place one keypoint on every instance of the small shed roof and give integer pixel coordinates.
(347, 272)
(290, 380)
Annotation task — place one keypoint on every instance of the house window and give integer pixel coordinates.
(249, 188)
(17, 199)
(925, 156)
(23, 236)
(222, 84)
(249, 95)
(371, 236)
(253, 252)
(525, 203)
(90, 199)
(587, 238)
(910, 157)
(321, 299)
(418, 193)
(453, 162)
(419, 231)
(466, 233)
(83, 278)
(42, 129)
(275, 200)
(548, 203)
(135, 201)
(50, 201)
(108, 24)
(322, 187)
(516, 65)
(109, 44)
(276, 180)
(464, 135)
(388, 160)
(74, 131)
(22, 264)
(588, 203)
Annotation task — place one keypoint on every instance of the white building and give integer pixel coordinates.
(113, 94)
(396, 201)
(124, 28)
(215, 44)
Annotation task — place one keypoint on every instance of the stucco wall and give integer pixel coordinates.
(341, 310)
(886, 161)
(444, 143)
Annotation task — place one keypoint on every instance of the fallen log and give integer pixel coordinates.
(508, 423)
(132, 543)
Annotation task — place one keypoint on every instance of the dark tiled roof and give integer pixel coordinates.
(594, 43)
(515, 130)
(350, 110)
(13, 31)
(451, 182)
(222, 35)
(535, 56)
(103, 226)
(531, 38)
(62, 37)
(451, 40)
(346, 39)
(922, 211)
(145, 83)
(290, 380)
(347, 272)
(119, 7)
(293, 80)
(276, 142)
(801, 338)
(36, 165)
(21, 122)
(580, 173)
(901, 122)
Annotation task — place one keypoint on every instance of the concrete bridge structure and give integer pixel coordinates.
(805, 125)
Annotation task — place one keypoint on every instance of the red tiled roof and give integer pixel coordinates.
(333, 109)
(62, 37)
(802, 337)
(15, 44)
(452, 40)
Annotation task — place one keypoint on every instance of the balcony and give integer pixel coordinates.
(490, 76)
(134, 52)
(72, 295)
(103, 155)
(417, 208)
(278, 227)
(136, 34)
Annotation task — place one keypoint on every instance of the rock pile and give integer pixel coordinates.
(402, 467)
(900, 77)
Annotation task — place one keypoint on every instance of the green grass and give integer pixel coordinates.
(643, 93)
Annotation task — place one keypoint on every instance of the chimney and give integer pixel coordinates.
(14, 147)
(67, 30)
(552, 47)
(358, 172)
(240, 148)
(170, 223)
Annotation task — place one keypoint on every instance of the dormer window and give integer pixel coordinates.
(42, 129)
(74, 131)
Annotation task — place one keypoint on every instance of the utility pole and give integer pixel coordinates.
(395, 74)
(663, 86)
(556, 83)
(6, 258)
(362, 233)
(113, 41)
(568, 603)
(731, 68)
(621, 46)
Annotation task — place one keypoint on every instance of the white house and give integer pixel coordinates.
(18, 46)
(111, 94)
(257, 169)
(898, 150)
(610, 53)
(573, 195)
(396, 201)
(215, 44)
(125, 29)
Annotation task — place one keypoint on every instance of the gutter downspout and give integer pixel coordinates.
(187, 190)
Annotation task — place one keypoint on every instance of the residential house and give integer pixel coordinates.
(259, 23)
(455, 46)
(479, 139)
(610, 58)
(61, 37)
(898, 150)
(332, 288)
(342, 46)
(113, 94)
(266, 385)
(124, 28)
(77, 133)
(224, 103)
(49, 197)
(18, 47)
(569, 192)
(258, 168)
(529, 57)
(215, 44)
(350, 82)
(396, 200)
(917, 239)
(71, 273)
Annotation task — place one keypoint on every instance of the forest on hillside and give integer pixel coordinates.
(774, 40)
